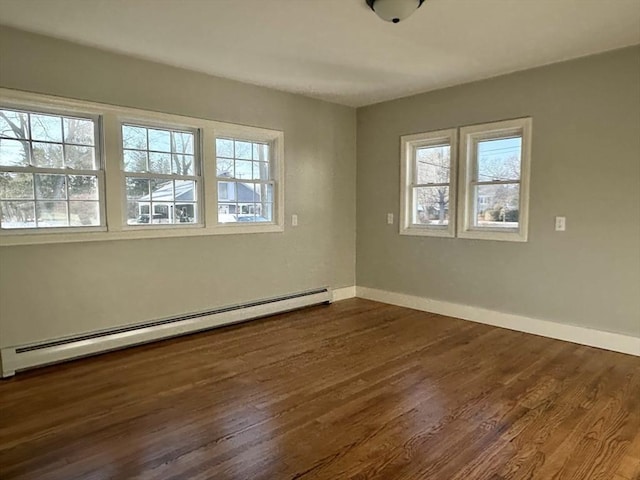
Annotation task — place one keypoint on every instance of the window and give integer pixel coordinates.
(50, 171)
(428, 184)
(493, 184)
(161, 175)
(494, 180)
(157, 177)
(248, 178)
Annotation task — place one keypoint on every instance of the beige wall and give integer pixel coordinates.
(55, 290)
(585, 166)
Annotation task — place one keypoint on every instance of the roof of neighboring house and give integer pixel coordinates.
(184, 193)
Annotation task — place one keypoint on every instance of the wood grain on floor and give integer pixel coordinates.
(354, 390)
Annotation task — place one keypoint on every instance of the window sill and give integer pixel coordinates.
(135, 233)
(504, 236)
(417, 231)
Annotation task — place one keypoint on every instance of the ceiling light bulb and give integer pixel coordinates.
(394, 10)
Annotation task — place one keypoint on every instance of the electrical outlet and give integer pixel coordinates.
(390, 218)
(561, 224)
(294, 220)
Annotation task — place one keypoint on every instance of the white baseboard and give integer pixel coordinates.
(343, 293)
(570, 333)
(21, 357)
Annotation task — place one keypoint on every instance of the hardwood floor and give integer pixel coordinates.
(355, 390)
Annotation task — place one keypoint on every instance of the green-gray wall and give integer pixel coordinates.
(47, 291)
(585, 166)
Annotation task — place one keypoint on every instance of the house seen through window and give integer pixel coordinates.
(245, 182)
(161, 175)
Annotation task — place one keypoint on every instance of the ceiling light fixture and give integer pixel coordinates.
(394, 10)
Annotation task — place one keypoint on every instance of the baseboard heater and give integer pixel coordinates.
(45, 353)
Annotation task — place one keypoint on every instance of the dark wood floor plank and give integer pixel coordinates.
(357, 390)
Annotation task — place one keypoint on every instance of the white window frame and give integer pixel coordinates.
(408, 181)
(469, 137)
(151, 122)
(32, 107)
(113, 195)
(275, 140)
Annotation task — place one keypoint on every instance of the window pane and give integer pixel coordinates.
(134, 137)
(433, 164)
(47, 155)
(497, 206)
(50, 187)
(267, 212)
(78, 130)
(224, 147)
(224, 167)
(499, 159)
(244, 169)
(52, 214)
(225, 191)
(16, 186)
(260, 170)
(18, 214)
(161, 190)
(138, 212)
(185, 190)
(14, 152)
(135, 161)
(46, 127)
(430, 206)
(226, 212)
(14, 124)
(183, 142)
(160, 163)
(80, 157)
(160, 140)
(138, 188)
(83, 187)
(162, 213)
(186, 213)
(243, 150)
(84, 214)
(261, 152)
(182, 164)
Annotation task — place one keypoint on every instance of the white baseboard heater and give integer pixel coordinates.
(22, 357)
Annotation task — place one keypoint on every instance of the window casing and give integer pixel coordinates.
(428, 183)
(51, 175)
(494, 180)
(122, 213)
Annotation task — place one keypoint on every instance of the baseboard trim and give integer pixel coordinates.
(570, 333)
(343, 293)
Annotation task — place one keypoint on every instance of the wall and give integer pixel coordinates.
(52, 290)
(585, 166)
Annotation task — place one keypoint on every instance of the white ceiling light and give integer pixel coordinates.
(394, 10)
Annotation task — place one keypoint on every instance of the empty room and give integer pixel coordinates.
(320, 239)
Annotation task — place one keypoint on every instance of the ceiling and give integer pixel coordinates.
(339, 50)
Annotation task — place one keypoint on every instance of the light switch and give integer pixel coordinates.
(561, 224)
(294, 220)
(390, 218)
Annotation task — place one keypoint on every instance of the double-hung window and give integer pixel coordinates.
(76, 171)
(494, 180)
(51, 174)
(249, 178)
(428, 184)
(162, 175)
(490, 170)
